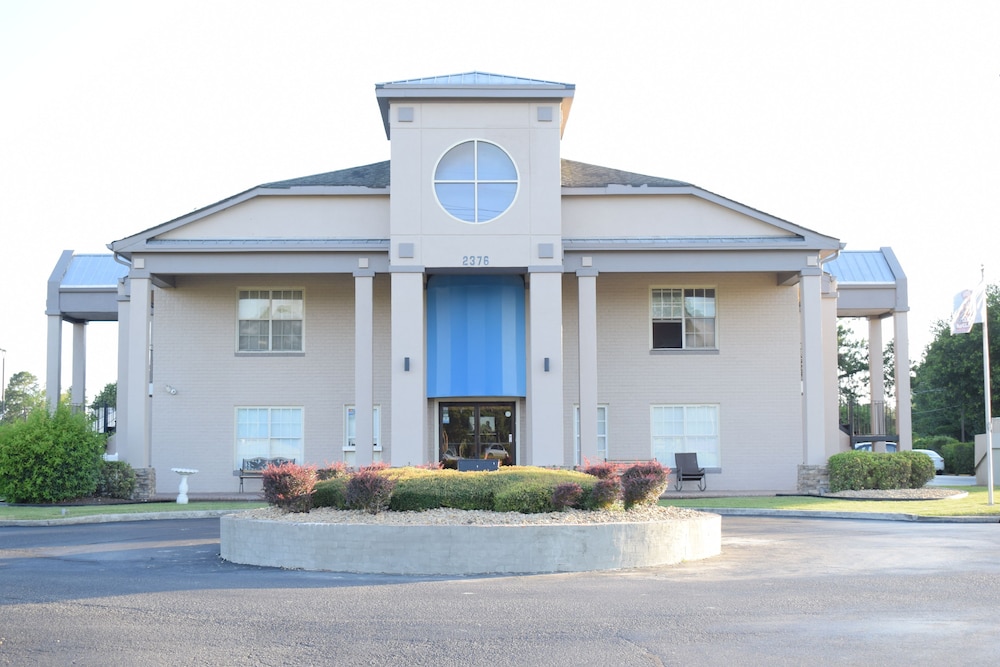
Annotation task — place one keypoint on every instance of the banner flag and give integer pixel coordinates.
(969, 309)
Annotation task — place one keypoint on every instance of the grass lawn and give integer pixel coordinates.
(56, 511)
(975, 504)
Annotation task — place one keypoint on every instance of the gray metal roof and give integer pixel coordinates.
(861, 267)
(574, 175)
(374, 175)
(473, 79)
(89, 271)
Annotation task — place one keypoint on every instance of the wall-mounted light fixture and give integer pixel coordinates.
(546, 364)
(170, 390)
(406, 364)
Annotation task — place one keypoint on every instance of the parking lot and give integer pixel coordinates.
(784, 592)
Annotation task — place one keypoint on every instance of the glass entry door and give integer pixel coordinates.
(476, 431)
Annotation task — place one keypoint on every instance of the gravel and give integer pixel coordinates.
(445, 516)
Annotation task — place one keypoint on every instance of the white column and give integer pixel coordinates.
(137, 439)
(545, 387)
(53, 367)
(409, 384)
(363, 366)
(79, 389)
(831, 383)
(813, 449)
(587, 299)
(121, 405)
(901, 348)
(876, 380)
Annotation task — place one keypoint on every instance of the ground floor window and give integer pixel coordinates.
(686, 428)
(350, 434)
(602, 434)
(269, 432)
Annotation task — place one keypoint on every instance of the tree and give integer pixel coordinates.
(22, 396)
(948, 385)
(108, 398)
(852, 365)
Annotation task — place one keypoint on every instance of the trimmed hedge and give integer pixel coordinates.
(959, 458)
(523, 489)
(858, 471)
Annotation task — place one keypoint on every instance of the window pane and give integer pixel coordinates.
(494, 164)
(458, 164)
(459, 199)
(287, 305)
(253, 335)
(667, 335)
(253, 307)
(287, 336)
(494, 199)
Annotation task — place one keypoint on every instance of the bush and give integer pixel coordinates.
(921, 468)
(603, 470)
(959, 458)
(369, 490)
(605, 493)
(289, 486)
(527, 497)
(858, 471)
(331, 493)
(49, 457)
(934, 442)
(567, 494)
(643, 483)
(333, 470)
(116, 480)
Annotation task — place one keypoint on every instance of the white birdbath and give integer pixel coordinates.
(182, 492)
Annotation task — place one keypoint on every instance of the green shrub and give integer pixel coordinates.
(921, 469)
(331, 493)
(338, 469)
(959, 458)
(934, 442)
(116, 480)
(527, 497)
(289, 486)
(858, 471)
(49, 457)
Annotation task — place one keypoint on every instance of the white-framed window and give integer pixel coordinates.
(350, 434)
(683, 318)
(686, 428)
(270, 432)
(475, 181)
(602, 434)
(270, 320)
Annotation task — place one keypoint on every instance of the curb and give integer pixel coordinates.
(858, 516)
(113, 518)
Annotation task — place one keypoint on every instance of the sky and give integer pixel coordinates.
(876, 122)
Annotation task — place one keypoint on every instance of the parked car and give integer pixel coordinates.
(938, 461)
(867, 446)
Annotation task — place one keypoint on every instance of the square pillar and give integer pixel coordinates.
(545, 370)
(409, 380)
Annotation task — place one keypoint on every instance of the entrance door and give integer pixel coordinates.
(476, 431)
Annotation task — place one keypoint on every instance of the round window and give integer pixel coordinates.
(475, 181)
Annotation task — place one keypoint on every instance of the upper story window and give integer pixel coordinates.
(683, 319)
(270, 321)
(475, 181)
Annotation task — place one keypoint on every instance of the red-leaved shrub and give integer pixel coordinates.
(602, 470)
(606, 492)
(567, 494)
(643, 483)
(289, 486)
(369, 491)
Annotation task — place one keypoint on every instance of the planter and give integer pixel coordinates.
(468, 549)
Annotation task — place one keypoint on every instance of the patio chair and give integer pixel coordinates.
(686, 469)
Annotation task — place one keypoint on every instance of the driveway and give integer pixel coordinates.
(783, 592)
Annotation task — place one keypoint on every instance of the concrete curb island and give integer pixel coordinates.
(438, 549)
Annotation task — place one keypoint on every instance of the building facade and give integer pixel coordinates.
(480, 296)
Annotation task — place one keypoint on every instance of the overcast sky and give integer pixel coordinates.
(876, 122)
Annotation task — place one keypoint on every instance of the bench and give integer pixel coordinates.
(254, 468)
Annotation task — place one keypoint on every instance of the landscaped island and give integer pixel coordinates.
(418, 521)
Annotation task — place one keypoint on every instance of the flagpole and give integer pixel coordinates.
(988, 395)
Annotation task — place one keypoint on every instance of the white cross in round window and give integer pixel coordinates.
(475, 181)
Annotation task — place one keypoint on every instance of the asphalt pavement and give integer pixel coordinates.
(785, 591)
